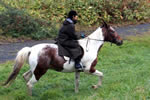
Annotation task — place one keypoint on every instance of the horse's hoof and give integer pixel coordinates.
(29, 93)
(94, 86)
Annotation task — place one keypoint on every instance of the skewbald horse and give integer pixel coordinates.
(42, 57)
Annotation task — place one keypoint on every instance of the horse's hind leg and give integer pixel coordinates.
(38, 68)
(30, 81)
(36, 75)
(77, 78)
(27, 75)
(30, 84)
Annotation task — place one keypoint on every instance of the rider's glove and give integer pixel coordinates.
(82, 35)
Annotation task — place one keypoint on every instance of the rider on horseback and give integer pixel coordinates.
(67, 40)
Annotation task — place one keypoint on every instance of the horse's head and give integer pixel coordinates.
(111, 35)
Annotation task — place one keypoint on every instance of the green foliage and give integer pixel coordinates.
(136, 10)
(126, 77)
(41, 18)
(18, 23)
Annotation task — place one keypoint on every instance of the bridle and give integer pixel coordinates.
(88, 39)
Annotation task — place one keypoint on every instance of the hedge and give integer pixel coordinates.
(42, 18)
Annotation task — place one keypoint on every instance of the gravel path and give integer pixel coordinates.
(8, 51)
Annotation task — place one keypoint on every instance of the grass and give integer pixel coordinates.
(126, 77)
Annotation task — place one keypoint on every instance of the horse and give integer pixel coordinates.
(42, 57)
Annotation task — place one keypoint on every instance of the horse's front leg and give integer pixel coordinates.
(91, 69)
(100, 75)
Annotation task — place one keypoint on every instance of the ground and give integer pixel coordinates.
(126, 76)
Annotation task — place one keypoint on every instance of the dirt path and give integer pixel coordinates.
(8, 51)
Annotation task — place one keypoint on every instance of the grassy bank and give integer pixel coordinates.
(126, 77)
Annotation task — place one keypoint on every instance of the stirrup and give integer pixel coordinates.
(80, 68)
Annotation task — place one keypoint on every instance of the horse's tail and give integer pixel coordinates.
(22, 56)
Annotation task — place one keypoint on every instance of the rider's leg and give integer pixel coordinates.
(78, 66)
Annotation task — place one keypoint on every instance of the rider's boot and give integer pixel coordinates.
(78, 66)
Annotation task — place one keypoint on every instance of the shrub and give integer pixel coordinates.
(24, 17)
(17, 23)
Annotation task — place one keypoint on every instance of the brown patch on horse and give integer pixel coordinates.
(105, 34)
(92, 69)
(49, 59)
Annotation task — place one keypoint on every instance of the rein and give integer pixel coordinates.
(94, 39)
(88, 42)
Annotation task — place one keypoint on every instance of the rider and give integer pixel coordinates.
(67, 40)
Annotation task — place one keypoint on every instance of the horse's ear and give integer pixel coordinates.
(104, 24)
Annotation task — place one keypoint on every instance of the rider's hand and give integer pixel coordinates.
(82, 35)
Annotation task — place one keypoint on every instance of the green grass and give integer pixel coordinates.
(126, 77)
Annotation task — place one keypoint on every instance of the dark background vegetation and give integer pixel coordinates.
(40, 19)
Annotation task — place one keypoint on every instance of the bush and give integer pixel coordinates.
(92, 12)
(136, 10)
(17, 23)
(24, 17)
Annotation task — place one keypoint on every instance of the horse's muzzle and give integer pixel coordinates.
(119, 42)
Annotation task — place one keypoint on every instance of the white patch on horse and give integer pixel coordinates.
(93, 45)
(66, 58)
(112, 28)
(69, 66)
